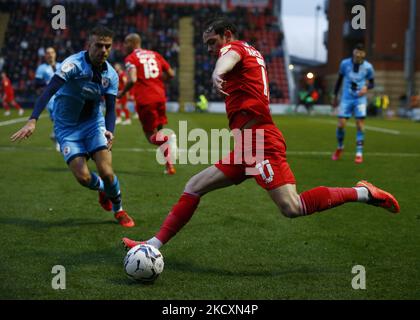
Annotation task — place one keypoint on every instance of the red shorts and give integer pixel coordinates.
(270, 168)
(152, 115)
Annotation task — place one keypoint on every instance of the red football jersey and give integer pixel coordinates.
(247, 86)
(7, 87)
(150, 66)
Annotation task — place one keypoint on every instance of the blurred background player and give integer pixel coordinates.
(241, 76)
(146, 72)
(358, 76)
(9, 96)
(80, 127)
(43, 75)
(122, 102)
(307, 98)
(202, 104)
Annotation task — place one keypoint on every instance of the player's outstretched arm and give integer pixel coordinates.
(25, 132)
(223, 65)
(29, 128)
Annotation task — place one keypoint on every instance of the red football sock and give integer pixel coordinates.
(16, 105)
(118, 112)
(323, 198)
(162, 139)
(159, 139)
(127, 113)
(181, 213)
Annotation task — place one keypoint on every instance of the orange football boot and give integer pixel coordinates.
(170, 169)
(380, 198)
(128, 243)
(124, 219)
(337, 154)
(358, 159)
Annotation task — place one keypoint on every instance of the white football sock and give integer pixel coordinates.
(362, 194)
(155, 242)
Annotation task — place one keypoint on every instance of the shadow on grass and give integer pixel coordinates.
(140, 173)
(124, 280)
(39, 225)
(187, 266)
(56, 169)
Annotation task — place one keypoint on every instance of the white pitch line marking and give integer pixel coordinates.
(17, 120)
(151, 150)
(370, 128)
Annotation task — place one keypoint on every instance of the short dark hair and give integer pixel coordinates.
(220, 25)
(360, 46)
(101, 31)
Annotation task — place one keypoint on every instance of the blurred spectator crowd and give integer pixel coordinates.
(29, 33)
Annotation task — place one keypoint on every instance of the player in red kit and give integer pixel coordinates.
(9, 96)
(121, 105)
(240, 75)
(146, 71)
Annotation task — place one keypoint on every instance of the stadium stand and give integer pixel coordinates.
(29, 32)
(260, 29)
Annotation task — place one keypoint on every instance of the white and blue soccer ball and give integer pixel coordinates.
(143, 263)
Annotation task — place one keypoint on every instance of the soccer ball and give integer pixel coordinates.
(143, 263)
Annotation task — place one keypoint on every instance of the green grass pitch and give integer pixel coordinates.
(237, 245)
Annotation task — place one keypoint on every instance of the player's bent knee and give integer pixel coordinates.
(290, 213)
(107, 176)
(198, 184)
(106, 173)
(290, 210)
(83, 179)
(193, 185)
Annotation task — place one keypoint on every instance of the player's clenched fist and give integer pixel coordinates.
(363, 91)
(25, 132)
(218, 83)
(110, 137)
